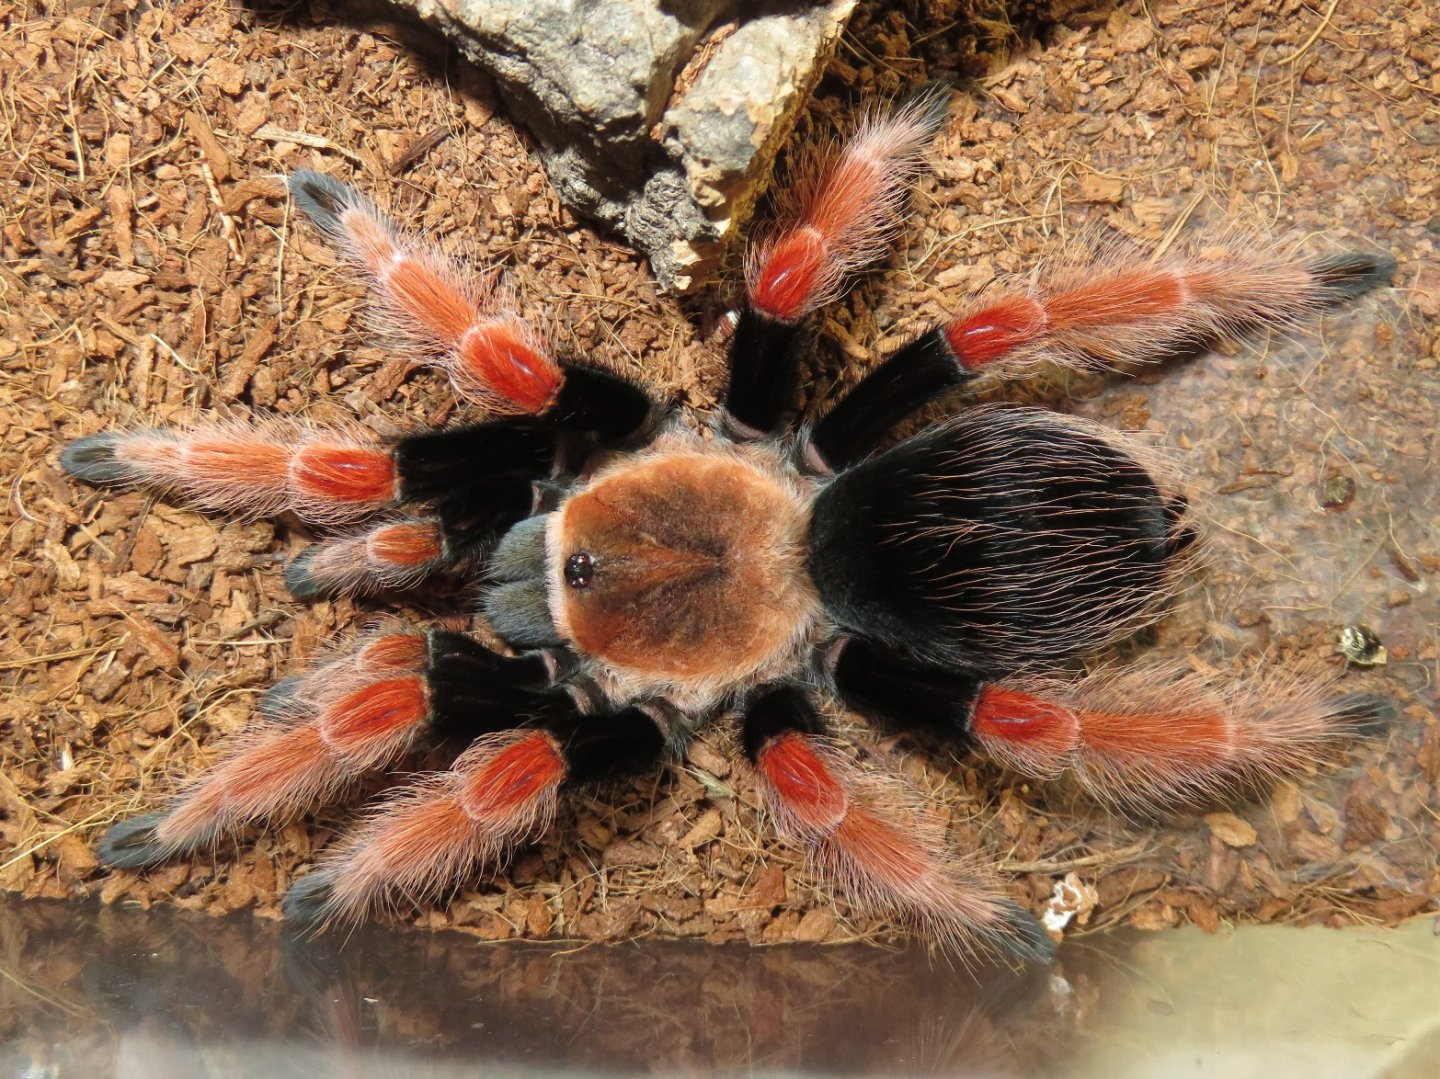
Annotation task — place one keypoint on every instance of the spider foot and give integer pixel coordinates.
(1119, 309)
(426, 301)
(132, 843)
(93, 459)
(500, 792)
(842, 214)
(1364, 715)
(1023, 936)
(1344, 277)
(309, 898)
(279, 701)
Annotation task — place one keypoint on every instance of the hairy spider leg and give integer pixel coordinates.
(844, 211)
(473, 332)
(321, 730)
(328, 477)
(477, 481)
(394, 554)
(1145, 737)
(1155, 736)
(1123, 309)
(501, 792)
(865, 835)
(1130, 310)
(899, 694)
(318, 732)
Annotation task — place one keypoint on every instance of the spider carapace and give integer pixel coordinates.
(654, 573)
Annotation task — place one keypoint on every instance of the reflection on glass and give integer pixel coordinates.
(152, 994)
(99, 991)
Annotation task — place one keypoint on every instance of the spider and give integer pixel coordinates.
(653, 572)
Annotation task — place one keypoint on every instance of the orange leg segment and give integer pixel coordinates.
(262, 470)
(866, 835)
(394, 554)
(501, 791)
(847, 209)
(1156, 736)
(425, 300)
(1127, 308)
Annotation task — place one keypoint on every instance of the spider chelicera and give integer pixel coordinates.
(652, 580)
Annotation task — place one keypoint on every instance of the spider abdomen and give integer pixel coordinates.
(1001, 538)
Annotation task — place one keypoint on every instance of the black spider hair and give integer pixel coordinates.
(999, 539)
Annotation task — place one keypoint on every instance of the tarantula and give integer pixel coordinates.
(653, 574)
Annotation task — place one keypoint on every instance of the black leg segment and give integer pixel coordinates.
(474, 691)
(478, 479)
(901, 695)
(775, 710)
(600, 748)
(913, 376)
(592, 401)
(764, 362)
(437, 464)
(1346, 276)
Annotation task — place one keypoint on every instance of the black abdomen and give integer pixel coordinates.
(1000, 539)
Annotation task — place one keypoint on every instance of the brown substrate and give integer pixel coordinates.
(151, 269)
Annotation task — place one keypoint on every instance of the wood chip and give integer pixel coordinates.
(200, 130)
(1230, 829)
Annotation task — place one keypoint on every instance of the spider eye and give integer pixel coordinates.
(579, 570)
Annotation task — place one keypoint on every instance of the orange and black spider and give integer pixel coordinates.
(651, 580)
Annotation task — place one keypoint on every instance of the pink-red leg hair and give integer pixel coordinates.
(394, 554)
(1156, 736)
(846, 209)
(342, 719)
(1128, 308)
(869, 838)
(426, 302)
(501, 792)
(328, 477)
